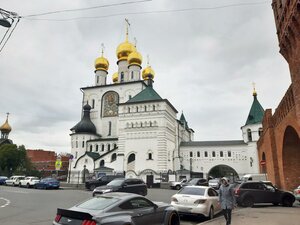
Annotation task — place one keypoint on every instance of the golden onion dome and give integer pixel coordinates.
(135, 58)
(115, 77)
(148, 73)
(101, 63)
(124, 49)
(5, 127)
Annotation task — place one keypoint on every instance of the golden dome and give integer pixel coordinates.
(5, 127)
(124, 49)
(135, 58)
(115, 77)
(101, 63)
(147, 73)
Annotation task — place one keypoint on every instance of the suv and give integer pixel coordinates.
(177, 184)
(249, 193)
(29, 182)
(14, 180)
(130, 185)
(92, 184)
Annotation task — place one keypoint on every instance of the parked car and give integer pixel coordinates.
(177, 184)
(92, 184)
(297, 193)
(215, 183)
(29, 182)
(2, 180)
(196, 200)
(14, 180)
(197, 182)
(118, 208)
(249, 193)
(254, 177)
(129, 185)
(47, 183)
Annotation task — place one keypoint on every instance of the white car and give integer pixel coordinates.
(29, 182)
(196, 200)
(14, 180)
(177, 184)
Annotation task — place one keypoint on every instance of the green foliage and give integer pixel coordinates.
(13, 160)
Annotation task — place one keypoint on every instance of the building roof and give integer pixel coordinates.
(148, 94)
(212, 143)
(256, 112)
(93, 155)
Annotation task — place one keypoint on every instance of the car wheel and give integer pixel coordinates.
(174, 219)
(248, 201)
(20, 185)
(92, 187)
(211, 213)
(275, 203)
(177, 187)
(287, 201)
(28, 186)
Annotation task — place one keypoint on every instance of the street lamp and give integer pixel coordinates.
(5, 23)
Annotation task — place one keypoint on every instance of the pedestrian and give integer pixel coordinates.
(226, 199)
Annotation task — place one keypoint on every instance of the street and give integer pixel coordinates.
(22, 206)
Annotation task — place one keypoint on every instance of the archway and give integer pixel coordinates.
(223, 171)
(291, 158)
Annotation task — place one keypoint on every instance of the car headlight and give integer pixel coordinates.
(107, 190)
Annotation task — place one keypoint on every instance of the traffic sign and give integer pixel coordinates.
(58, 164)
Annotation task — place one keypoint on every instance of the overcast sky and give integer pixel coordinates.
(205, 62)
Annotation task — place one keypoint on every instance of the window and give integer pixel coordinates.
(115, 145)
(113, 157)
(97, 79)
(205, 154)
(137, 109)
(198, 154)
(131, 158)
(260, 131)
(129, 97)
(83, 144)
(141, 124)
(229, 153)
(76, 154)
(153, 107)
(108, 147)
(213, 154)
(102, 163)
(150, 155)
(249, 134)
(128, 109)
(91, 148)
(132, 125)
(131, 74)
(93, 103)
(191, 154)
(221, 154)
(102, 147)
(76, 144)
(150, 124)
(145, 108)
(109, 128)
(86, 160)
(136, 204)
(122, 76)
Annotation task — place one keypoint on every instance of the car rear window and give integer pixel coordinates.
(98, 203)
(192, 191)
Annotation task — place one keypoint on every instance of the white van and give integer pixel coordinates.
(254, 177)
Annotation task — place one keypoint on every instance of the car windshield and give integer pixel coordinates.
(116, 182)
(98, 203)
(192, 191)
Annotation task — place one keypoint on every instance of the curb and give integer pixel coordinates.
(219, 217)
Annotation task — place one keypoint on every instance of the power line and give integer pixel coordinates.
(156, 11)
(9, 34)
(88, 8)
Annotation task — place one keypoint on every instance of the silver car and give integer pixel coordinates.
(116, 208)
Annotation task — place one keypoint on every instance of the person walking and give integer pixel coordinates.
(226, 199)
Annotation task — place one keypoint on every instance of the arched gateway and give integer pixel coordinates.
(223, 171)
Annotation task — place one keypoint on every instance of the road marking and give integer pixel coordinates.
(7, 202)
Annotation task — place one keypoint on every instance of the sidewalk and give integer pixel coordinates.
(261, 215)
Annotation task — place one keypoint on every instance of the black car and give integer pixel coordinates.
(130, 185)
(92, 184)
(249, 193)
(197, 182)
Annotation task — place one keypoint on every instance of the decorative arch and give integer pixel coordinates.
(291, 157)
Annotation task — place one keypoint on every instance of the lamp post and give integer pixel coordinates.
(83, 179)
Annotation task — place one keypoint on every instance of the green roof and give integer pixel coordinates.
(93, 155)
(256, 112)
(148, 94)
(183, 120)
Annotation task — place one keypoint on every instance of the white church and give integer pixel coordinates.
(128, 128)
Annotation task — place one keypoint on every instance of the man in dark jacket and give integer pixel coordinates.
(226, 199)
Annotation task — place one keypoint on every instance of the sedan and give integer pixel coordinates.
(118, 208)
(196, 200)
(47, 183)
(297, 193)
(2, 180)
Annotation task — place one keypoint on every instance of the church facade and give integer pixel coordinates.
(128, 128)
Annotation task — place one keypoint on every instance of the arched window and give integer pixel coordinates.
(102, 163)
(249, 135)
(229, 153)
(131, 74)
(191, 154)
(97, 79)
(221, 154)
(137, 109)
(114, 157)
(76, 144)
(132, 125)
(83, 144)
(131, 158)
(149, 155)
(91, 148)
(115, 145)
(141, 124)
(122, 77)
(198, 154)
(260, 131)
(128, 109)
(102, 147)
(150, 123)
(205, 154)
(153, 107)
(93, 103)
(108, 147)
(97, 148)
(76, 154)
(145, 108)
(213, 154)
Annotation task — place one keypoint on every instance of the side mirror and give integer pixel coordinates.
(155, 206)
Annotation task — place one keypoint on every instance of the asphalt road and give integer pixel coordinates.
(22, 206)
